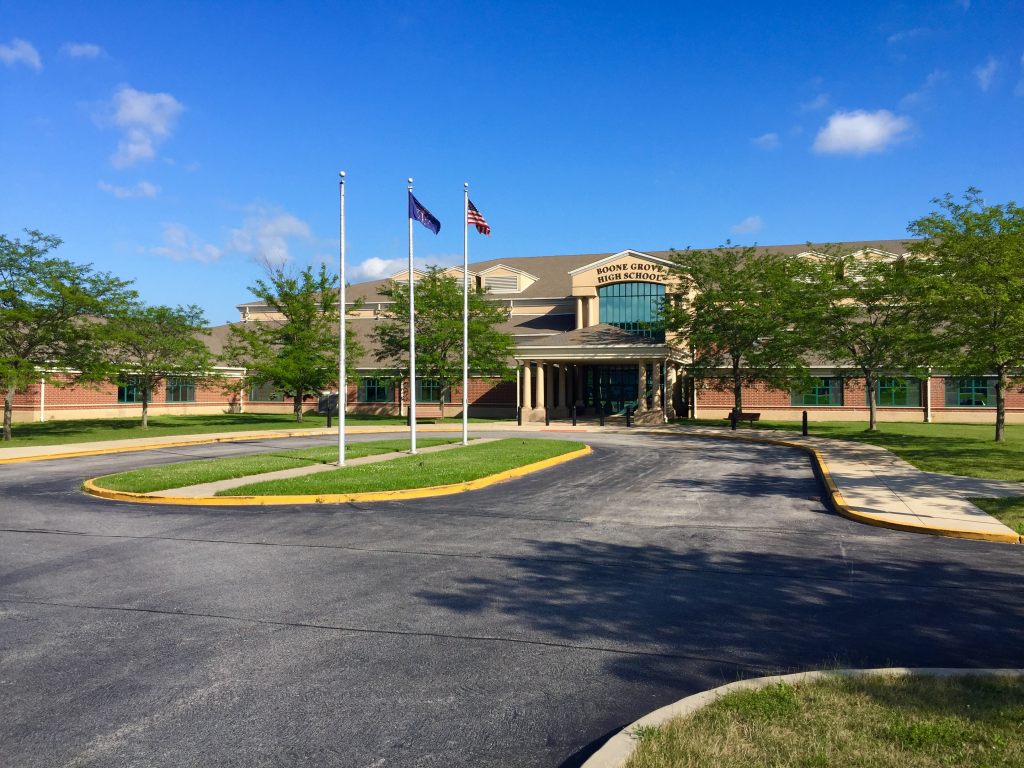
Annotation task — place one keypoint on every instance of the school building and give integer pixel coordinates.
(587, 335)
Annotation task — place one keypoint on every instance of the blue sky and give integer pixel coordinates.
(173, 143)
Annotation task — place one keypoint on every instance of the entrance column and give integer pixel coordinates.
(579, 312)
(541, 391)
(641, 386)
(527, 393)
(656, 387)
(552, 398)
(671, 403)
(579, 386)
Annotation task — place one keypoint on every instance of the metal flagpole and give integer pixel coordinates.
(412, 344)
(342, 381)
(465, 318)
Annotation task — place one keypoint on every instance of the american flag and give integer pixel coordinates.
(475, 218)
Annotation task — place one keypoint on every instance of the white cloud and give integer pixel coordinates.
(818, 102)
(20, 51)
(379, 269)
(768, 141)
(748, 226)
(146, 119)
(181, 243)
(921, 94)
(860, 132)
(265, 233)
(986, 74)
(907, 34)
(965, 4)
(81, 50)
(142, 189)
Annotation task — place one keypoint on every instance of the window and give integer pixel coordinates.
(429, 391)
(823, 392)
(131, 391)
(373, 390)
(635, 307)
(893, 393)
(967, 393)
(502, 283)
(265, 393)
(181, 389)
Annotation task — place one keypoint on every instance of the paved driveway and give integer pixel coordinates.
(513, 626)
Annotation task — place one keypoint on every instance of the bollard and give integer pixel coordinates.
(547, 417)
(574, 415)
(628, 413)
(805, 423)
(600, 410)
(519, 416)
(328, 418)
(733, 419)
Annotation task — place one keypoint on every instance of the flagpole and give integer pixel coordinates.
(412, 344)
(465, 317)
(342, 381)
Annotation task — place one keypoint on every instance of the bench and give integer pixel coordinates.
(748, 417)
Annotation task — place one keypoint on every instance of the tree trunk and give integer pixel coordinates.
(145, 410)
(443, 389)
(297, 406)
(869, 382)
(1001, 406)
(8, 411)
(737, 386)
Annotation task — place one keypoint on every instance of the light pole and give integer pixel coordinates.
(342, 381)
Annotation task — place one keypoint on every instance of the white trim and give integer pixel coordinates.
(619, 255)
(510, 269)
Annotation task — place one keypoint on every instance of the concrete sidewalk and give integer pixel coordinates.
(882, 489)
(68, 450)
(211, 489)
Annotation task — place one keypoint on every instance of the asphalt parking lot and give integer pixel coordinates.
(517, 625)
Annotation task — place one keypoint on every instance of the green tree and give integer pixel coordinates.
(48, 309)
(298, 352)
(147, 345)
(439, 332)
(977, 252)
(735, 310)
(870, 313)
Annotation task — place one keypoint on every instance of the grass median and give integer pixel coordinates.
(459, 465)
(884, 722)
(32, 434)
(954, 449)
(198, 472)
(1008, 511)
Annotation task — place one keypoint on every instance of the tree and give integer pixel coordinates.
(439, 332)
(736, 309)
(147, 345)
(297, 353)
(48, 308)
(869, 313)
(977, 252)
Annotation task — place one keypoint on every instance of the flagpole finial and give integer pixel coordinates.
(342, 174)
(466, 184)
(410, 181)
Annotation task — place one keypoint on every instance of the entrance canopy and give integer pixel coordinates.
(601, 342)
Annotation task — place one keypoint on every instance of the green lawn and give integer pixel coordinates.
(1008, 511)
(28, 434)
(889, 722)
(956, 449)
(458, 465)
(196, 472)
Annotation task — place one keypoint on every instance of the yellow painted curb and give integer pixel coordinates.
(845, 509)
(311, 432)
(335, 498)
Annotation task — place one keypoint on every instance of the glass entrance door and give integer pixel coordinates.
(616, 386)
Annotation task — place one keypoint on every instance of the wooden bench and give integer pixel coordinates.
(748, 417)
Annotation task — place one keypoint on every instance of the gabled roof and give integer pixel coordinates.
(619, 255)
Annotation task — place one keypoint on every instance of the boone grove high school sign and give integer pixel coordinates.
(631, 272)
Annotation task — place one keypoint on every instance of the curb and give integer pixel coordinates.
(844, 509)
(620, 747)
(310, 432)
(334, 498)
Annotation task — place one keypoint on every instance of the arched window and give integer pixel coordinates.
(635, 307)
